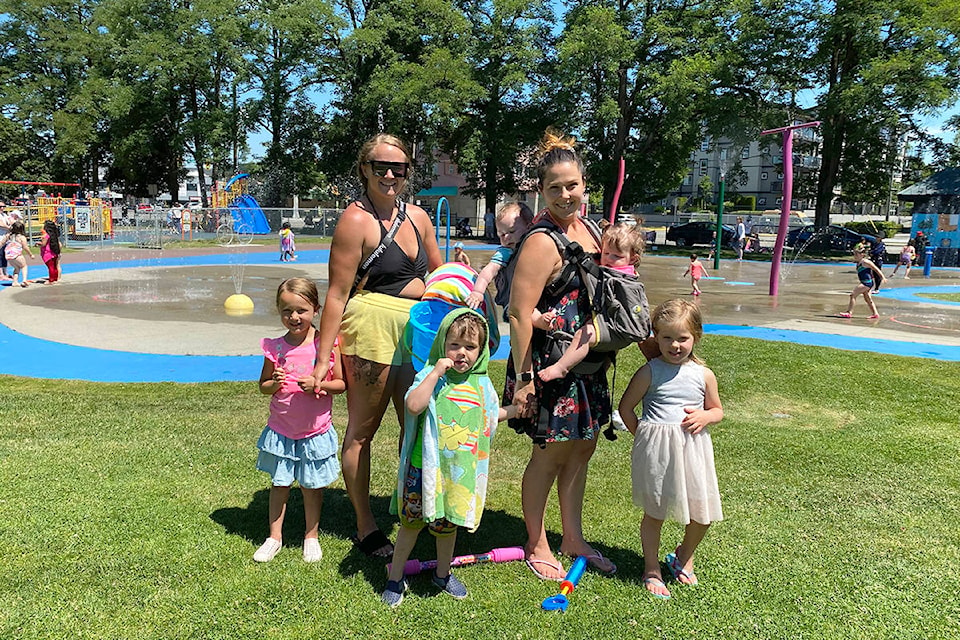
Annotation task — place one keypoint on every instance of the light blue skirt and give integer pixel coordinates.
(312, 462)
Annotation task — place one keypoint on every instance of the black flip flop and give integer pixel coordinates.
(374, 541)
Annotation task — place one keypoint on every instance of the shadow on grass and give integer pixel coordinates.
(497, 529)
(250, 522)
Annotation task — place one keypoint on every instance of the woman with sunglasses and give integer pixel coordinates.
(381, 252)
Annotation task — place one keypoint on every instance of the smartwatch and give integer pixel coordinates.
(526, 376)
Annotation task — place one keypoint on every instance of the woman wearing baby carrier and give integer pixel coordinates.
(562, 416)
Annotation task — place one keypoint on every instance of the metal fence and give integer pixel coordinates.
(159, 227)
(155, 228)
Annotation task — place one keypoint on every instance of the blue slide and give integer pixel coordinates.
(247, 212)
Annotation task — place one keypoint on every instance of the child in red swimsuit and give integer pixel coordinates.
(696, 271)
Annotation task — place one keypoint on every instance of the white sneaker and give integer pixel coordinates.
(311, 550)
(267, 550)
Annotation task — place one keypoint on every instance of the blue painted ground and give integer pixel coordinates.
(909, 294)
(31, 357)
(847, 343)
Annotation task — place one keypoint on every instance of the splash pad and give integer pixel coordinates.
(162, 319)
(160, 306)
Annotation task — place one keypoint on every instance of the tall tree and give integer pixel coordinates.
(148, 69)
(209, 33)
(878, 63)
(508, 59)
(652, 78)
(292, 44)
(401, 68)
(292, 167)
(48, 54)
(22, 154)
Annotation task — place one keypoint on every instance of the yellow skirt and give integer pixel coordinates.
(373, 328)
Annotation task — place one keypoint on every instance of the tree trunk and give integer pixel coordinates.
(843, 64)
(829, 169)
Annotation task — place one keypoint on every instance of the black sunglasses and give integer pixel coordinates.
(380, 168)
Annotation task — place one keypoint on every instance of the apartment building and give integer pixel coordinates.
(755, 169)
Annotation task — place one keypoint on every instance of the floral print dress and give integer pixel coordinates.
(573, 407)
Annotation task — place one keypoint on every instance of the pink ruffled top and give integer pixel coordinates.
(294, 413)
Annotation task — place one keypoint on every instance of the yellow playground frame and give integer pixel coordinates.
(99, 223)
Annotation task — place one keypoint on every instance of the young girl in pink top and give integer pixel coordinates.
(299, 442)
(696, 271)
(14, 246)
(50, 250)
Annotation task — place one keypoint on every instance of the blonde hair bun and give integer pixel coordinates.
(553, 139)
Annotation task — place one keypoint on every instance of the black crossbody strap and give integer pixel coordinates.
(384, 243)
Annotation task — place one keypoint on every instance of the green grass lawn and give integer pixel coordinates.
(947, 297)
(133, 510)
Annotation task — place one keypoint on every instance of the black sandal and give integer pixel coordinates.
(374, 541)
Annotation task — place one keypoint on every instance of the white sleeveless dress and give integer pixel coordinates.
(674, 476)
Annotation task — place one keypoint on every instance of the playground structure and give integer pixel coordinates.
(78, 218)
(248, 217)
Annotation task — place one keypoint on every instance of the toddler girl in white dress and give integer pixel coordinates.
(673, 470)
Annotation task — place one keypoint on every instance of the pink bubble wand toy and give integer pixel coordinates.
(503, 554)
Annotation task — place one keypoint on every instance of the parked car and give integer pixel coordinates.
(834, 237)
(700, 232)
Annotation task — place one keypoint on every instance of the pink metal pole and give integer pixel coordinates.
(615, 205)
(786, 202)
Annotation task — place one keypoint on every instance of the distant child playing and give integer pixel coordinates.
(696, 271)
(621, 250)
(673, 469)
(460, 254)
(451, 416)
(50, 250)
(513, 219)
(299, 442)
(865, 273)
(288, 247)
(14, 244)
(907, 255)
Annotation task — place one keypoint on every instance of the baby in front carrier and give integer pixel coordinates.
(621, 249)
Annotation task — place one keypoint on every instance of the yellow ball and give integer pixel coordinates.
(238, 305)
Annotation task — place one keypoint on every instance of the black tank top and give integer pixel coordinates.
(394, 269)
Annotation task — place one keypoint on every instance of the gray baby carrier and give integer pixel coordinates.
(621, 314)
